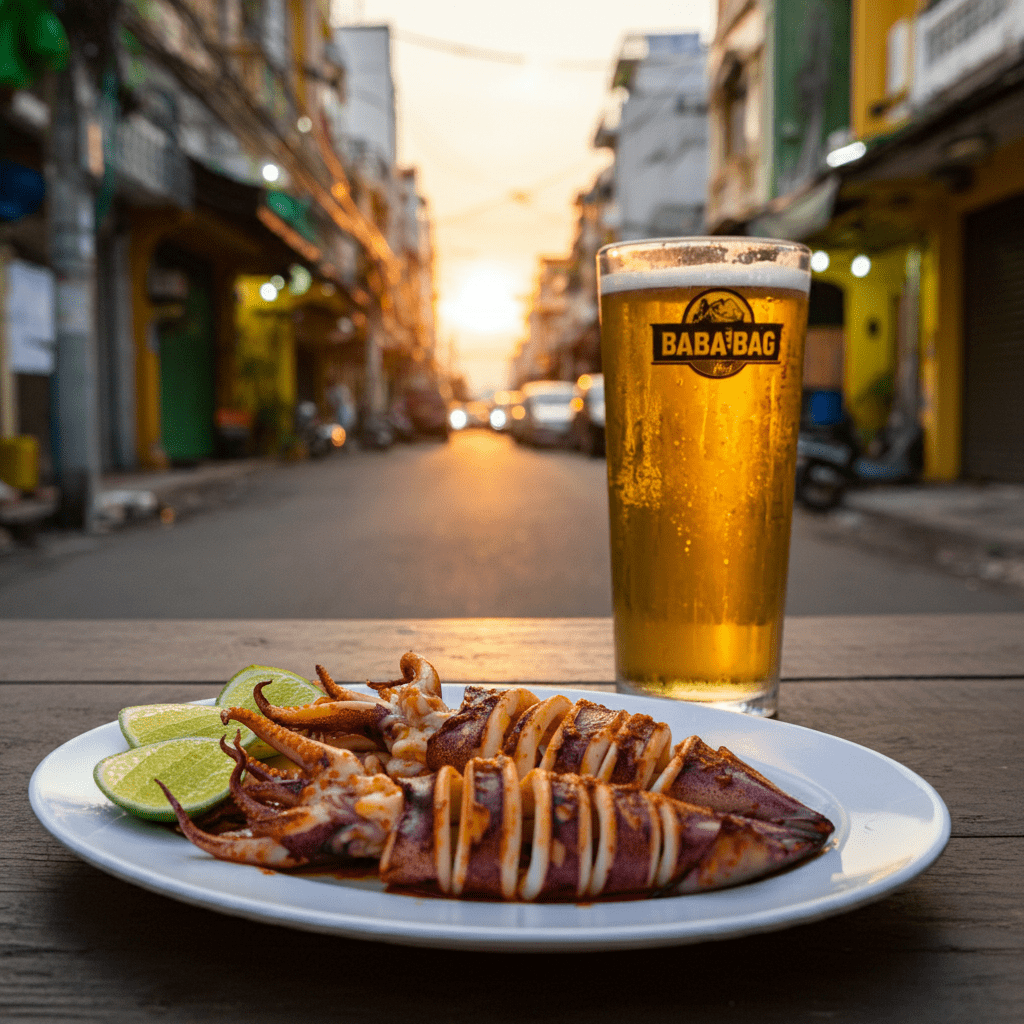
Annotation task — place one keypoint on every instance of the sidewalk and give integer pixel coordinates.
(974, 530)
(128, 497)
(122, 500)
(125, 498)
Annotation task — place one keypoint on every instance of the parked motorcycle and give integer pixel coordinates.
(376, 433)
(319, 437)
(400, 422)
(830, 457)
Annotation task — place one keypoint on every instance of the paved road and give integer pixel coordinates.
(477, 527)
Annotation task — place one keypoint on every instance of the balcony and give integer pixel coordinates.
(151, 169)
(959, 37)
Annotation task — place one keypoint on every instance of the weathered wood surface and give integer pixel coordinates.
(499, 650)
(76, 944)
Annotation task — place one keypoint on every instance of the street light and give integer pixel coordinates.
(860, 266)
(301, 279)
(846, 154)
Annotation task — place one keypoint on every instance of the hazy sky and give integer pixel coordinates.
(502, 147)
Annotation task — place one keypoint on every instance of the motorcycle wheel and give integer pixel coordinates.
(819, 486)
(376, 438)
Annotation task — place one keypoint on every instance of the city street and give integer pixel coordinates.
(477, 527)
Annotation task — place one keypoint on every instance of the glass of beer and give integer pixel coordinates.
(702, 346)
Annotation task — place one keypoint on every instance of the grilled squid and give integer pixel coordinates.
(417, 734)
(327, 810)
(554, 837)
(487, 832)
(392, 726)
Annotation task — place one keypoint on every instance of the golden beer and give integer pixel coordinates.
(703, 373)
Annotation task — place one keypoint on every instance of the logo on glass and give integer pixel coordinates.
(718, 336)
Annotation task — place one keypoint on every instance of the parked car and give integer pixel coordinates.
(502, 417)
(458, 418)
(428, 410)
(466, 415)
(587, 431)
(547, 413)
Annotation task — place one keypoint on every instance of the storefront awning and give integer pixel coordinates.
(799, 216)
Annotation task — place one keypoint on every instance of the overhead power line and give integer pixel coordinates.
(471, 52)
(517, 196)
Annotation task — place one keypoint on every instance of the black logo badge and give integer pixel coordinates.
(717, 336)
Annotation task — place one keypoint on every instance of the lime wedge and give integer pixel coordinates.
(151, 723)
(194, 769)
(286, 690)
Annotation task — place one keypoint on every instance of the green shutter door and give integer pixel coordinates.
(187, 379)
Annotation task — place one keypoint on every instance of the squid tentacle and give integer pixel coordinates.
(338, 692)
(252, 796)
(263, 782)
(260, 851)
(351, 716)
(291, 777)
(417, 672)
(272, 793)
(340, 812)
(311, 755)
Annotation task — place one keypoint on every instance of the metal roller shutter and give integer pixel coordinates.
(993, 440)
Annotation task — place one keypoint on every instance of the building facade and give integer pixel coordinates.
(246, 252)
(658, 135)
(909, 184)
(654, 187)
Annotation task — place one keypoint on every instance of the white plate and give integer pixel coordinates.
(890, 826)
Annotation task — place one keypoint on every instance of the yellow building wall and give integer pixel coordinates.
(148, 227)
(998, 177)
(220, 246)
(940, 223)
(871, 304)
(871, 21)
(870, 331)
(264, 364)
(940, 404)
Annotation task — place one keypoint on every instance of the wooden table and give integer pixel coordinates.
(942, 694)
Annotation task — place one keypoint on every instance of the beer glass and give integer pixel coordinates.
(702, 347)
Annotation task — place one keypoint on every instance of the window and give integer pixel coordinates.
(734, 92)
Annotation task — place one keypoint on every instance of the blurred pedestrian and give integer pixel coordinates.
(343, 404)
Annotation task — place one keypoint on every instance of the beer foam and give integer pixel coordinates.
(713, 275)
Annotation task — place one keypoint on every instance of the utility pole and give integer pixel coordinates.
(72, 243)
(374, 392)
(8, 393)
